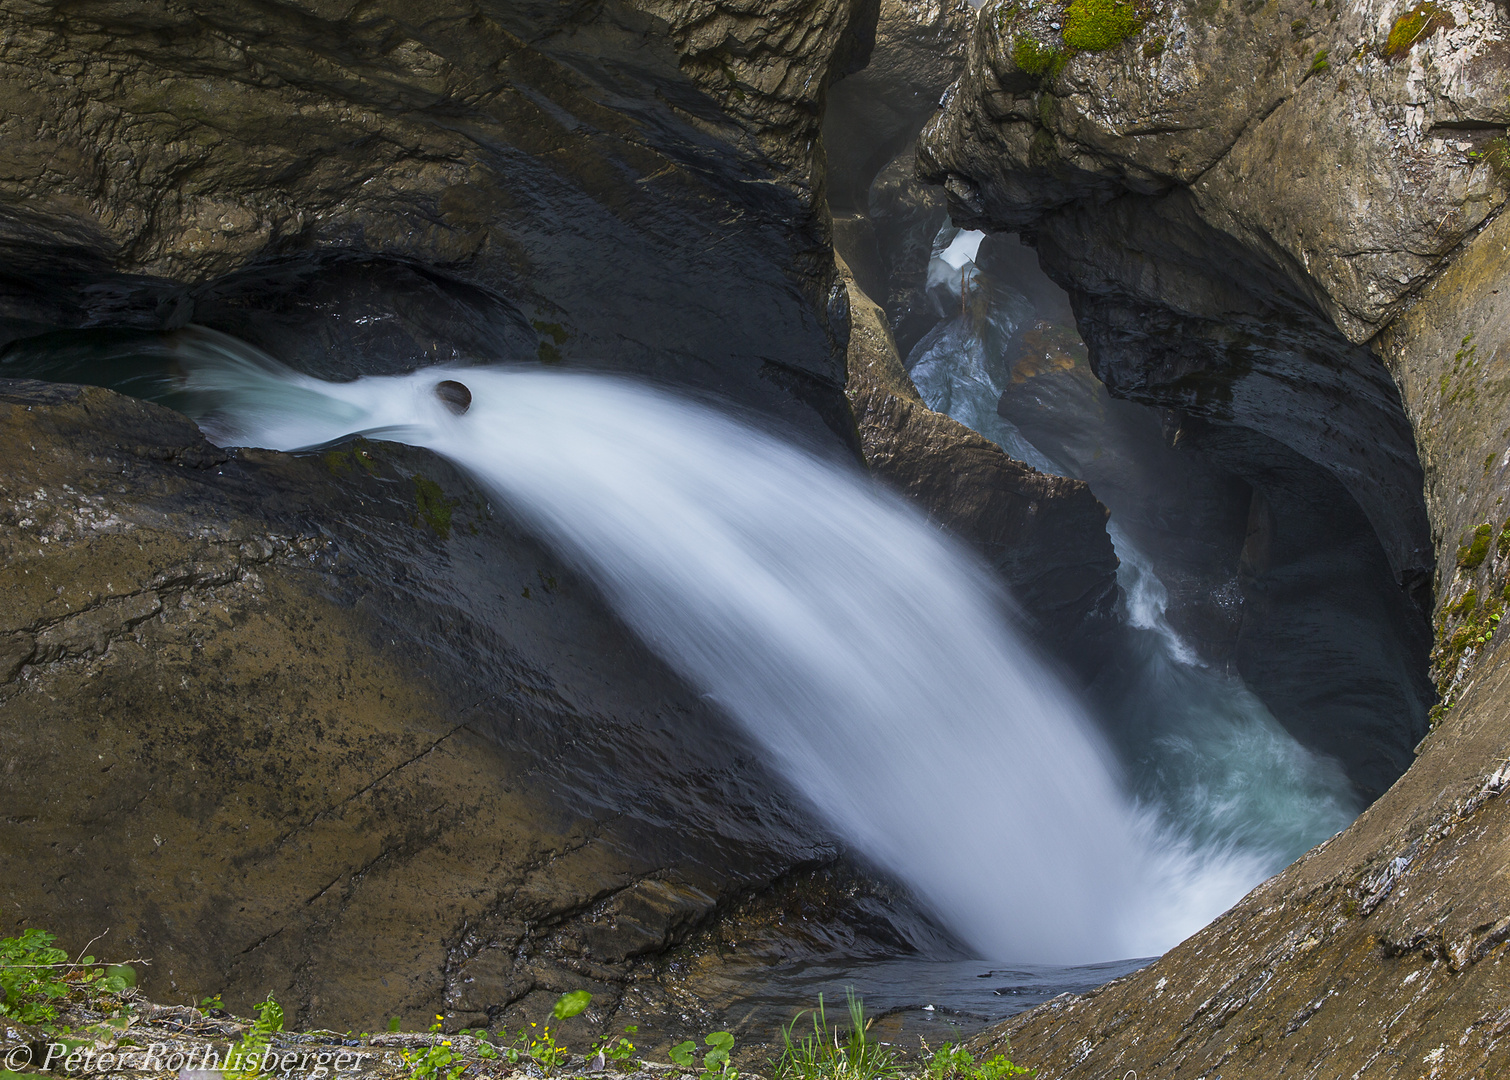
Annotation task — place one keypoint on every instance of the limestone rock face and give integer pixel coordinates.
(369, 188)
(870, 116)
(1237, 198)
(1307, 249)
(329, 725)
(1045, 535)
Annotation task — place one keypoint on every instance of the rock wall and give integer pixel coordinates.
(1285, 218)
(368, 188)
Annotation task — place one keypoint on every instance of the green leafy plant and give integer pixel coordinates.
(35, 975)
(543, 1047)
(715, 1064)
(617, 1049)
(1320, 63)
(244, 1061)
(830, 1052)
(31, 974)
(951, 1062)
(435, 1062)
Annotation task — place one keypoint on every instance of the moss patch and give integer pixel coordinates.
(1097, 25)
(1036, 59)
(1471, 555)
(1416, 25)
(550, 351)
(432, 507)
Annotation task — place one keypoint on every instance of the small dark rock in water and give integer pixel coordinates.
(454, 395)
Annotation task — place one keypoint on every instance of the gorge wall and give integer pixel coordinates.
(1282, 221)
(366, 188)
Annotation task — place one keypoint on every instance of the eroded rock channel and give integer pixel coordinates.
(1207, 378)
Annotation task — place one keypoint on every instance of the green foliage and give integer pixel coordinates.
(1416, 25)
(1319, 63)
(831, 1053)
(617, 1049)
(31, 974)
(1154, 47)
(1472, 554)
(244, 1061)
(1502, 545)
(393, 1024)
(570, 1004)
(1097, 25)
(950, 1062)
(715, 1065)
(35, 975)
(1037, 60)
(434, 509)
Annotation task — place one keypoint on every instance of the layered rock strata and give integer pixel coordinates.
(369, 188)
(1045, 535)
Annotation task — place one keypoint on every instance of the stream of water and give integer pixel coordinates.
(869, 655)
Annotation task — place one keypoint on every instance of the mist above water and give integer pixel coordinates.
(871, 657)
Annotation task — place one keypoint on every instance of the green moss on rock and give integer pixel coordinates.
(1097, 25)
(1417, 24)
(432, 506)
(1468, 603)
(1036, 59)
(1472, 554)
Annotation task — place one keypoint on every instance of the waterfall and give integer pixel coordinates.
(867, 654)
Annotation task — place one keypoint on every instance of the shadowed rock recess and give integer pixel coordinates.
(363, 188)
(1283, 222)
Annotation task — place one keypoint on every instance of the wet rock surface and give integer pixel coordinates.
(1045, 535)
(1252, 208)
(329, 725)
(1236, 200)
(366, 189)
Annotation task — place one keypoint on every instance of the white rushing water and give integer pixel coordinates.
(868, 654)
(1202, 751)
